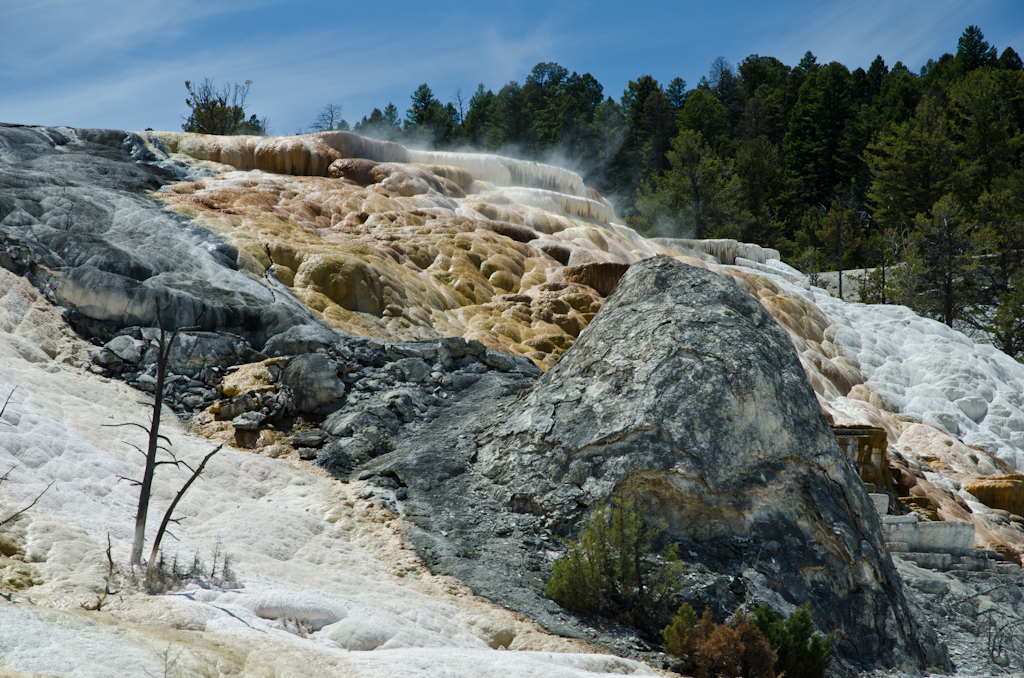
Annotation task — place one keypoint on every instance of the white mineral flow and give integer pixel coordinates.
(725, 250)
(502, 171)
(950, 407)
(318, 582)
(923, 368)
(561, 203)
(909, 365)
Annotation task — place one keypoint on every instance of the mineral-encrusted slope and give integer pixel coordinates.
(282, 247)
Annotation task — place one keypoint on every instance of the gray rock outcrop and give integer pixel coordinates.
(75, 218)
(686, 385)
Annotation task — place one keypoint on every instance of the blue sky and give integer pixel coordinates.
(117, 64)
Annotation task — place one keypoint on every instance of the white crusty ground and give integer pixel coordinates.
(925, 369)
(326, 588)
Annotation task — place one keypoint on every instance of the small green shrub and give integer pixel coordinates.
(680, 636)
(612, 570)
(801, 653)
(708, 650)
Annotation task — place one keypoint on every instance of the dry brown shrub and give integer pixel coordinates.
(709, 650)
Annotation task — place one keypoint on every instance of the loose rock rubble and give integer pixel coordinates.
(356, 392)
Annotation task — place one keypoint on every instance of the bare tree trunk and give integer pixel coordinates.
(154, 442)
(883, 282)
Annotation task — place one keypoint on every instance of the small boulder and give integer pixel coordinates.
(106, 358)
(404, 403)
(248, 421)
(231, 408)
(314, 438)
(313, 379)
(413, 369)
(127, 349)
(498, 360)
(341, 456)
(301, 339)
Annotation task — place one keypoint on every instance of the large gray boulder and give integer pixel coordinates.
(685, 385)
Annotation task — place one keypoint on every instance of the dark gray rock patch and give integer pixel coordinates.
(76, 219)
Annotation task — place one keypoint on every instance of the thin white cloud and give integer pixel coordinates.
(911, 31)
(46, 35)
(293, 76)
(117, 64)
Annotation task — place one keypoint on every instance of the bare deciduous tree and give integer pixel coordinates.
(112, 572)
(460, 104)
(163, 354)
(170, 511)
(329, 119)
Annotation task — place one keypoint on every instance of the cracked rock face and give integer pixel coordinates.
(687, 385)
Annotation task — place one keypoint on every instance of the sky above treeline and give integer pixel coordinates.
(122, 65)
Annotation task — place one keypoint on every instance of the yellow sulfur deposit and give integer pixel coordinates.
(1000, 492)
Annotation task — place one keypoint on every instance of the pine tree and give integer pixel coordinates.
(510, 122)
(695, 197)
(726, 87)
(821, 147)
(391, 115)
(705, 114)
(676, 93)
(422, 101)
(912, 165)
(944, 253)
(649, 127)
(612, 569)
(759, 171)
(979, 107)
(1009, 60)
(478, 117)
(973, 51)
(800, 653)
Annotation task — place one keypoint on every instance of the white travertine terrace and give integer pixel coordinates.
(502, 171)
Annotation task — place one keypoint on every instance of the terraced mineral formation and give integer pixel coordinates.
(412, 275)
(400, 245)
(402, 251)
